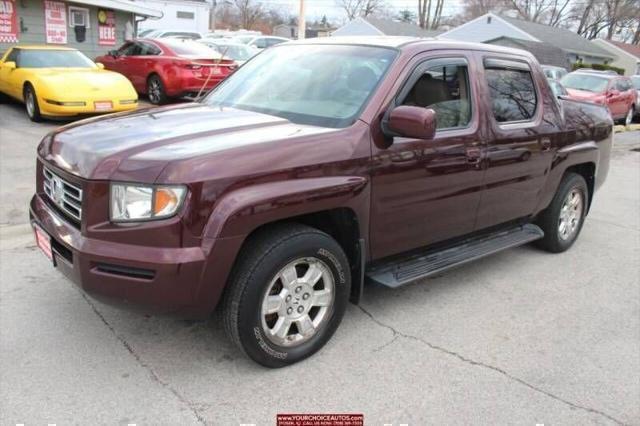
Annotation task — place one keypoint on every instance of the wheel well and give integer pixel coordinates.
(588, 172)
(343, 226)
(24, 86)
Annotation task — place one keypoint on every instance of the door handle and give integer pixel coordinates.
(545, 143)
(474, 154)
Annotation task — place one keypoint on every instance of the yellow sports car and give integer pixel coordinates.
(62, 82)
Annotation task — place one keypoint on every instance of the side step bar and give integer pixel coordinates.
(409, 269)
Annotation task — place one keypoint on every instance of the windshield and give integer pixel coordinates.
(32, 58)
(236, 52)
(636, 82)
(189, 48)
(322, 85)
(590, 83)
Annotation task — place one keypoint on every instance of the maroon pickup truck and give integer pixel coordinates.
(316, 167)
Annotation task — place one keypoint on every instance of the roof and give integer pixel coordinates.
(545, 53)
(395, 28)
(421, 44)
(631, 49)
(42, 47)
(124, 5)
(380, 41)
(560, 37)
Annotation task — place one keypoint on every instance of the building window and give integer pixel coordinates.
(78, 17)
(185, 15)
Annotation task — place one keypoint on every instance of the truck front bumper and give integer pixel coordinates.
(154, 280)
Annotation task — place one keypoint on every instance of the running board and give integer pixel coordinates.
(421, 265)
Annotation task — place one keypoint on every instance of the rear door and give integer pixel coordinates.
(617, 98)
(141, 63)
(521, 115)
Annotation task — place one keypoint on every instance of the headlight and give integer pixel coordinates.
(131, 203)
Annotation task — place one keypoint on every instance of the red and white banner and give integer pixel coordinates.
(8, 21)
(106, 27)
(55, 22)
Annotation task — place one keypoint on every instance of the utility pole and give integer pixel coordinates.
(302, 25)
(212, 16)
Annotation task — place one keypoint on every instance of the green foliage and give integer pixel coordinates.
(598, 67)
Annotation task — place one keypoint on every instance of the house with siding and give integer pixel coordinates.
(627, 55)
(371, 26)
(545, 53)
(491, 26)
(92, 26)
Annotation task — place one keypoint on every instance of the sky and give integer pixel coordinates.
(317, 8)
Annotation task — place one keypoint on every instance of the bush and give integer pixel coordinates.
(598, 67)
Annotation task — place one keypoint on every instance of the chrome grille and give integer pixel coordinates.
(66, 196)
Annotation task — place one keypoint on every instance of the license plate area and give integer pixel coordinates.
(103, 105)
(43, 241)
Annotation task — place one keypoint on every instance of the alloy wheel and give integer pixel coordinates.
(30, 103)
(154, 90)
(629, 117)
(570, 214)
(298, 302)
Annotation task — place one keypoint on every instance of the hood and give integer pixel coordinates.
(583, 95)
(137, 146)
(83, 80)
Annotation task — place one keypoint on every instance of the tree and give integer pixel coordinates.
(364, 8)
(427, 19)
(406, 16)
(250, 12)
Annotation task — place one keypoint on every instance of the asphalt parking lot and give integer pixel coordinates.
(522, 337)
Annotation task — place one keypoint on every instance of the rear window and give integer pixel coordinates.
(190, 48)
(587, 82)
(636, 82)
(513, 94)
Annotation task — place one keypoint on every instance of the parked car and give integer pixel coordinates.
(635, 80)
(143, 33)
(240, 53)
(553, 72)
(169, 68)
(318, 165)
(613, 90)
(192, 35)
(557, 88)
(262, 42)
(55, 81)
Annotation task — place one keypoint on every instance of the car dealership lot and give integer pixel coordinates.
(522, 337)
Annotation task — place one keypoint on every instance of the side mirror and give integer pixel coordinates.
(100, 65)
(413, 122)
(11, 65)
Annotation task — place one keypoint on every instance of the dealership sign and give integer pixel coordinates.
(55, 22)
(106, 27)
(8, 21)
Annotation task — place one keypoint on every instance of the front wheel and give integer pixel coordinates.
(31, 103)
(563, 219)
(288, 294)
(629, 117)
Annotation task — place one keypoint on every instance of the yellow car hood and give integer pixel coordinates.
(79, 84)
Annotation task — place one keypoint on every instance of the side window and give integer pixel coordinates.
(445, 89)
(13, 57)
(260, 43)
(148, 49)
(512, 91)
(623, 85)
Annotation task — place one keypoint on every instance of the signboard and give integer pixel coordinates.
(8, 21)
(106, 27)
(55, 22)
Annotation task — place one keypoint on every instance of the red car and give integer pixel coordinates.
(612, 90)
(168, 68)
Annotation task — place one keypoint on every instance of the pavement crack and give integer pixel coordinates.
(397, 333)
(154, 376)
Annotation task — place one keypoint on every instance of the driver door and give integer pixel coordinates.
(427, 191)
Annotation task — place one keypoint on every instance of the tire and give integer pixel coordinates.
(260, 274)
(558, 238)
(628, 119)
(155, 90)
(31, 103)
